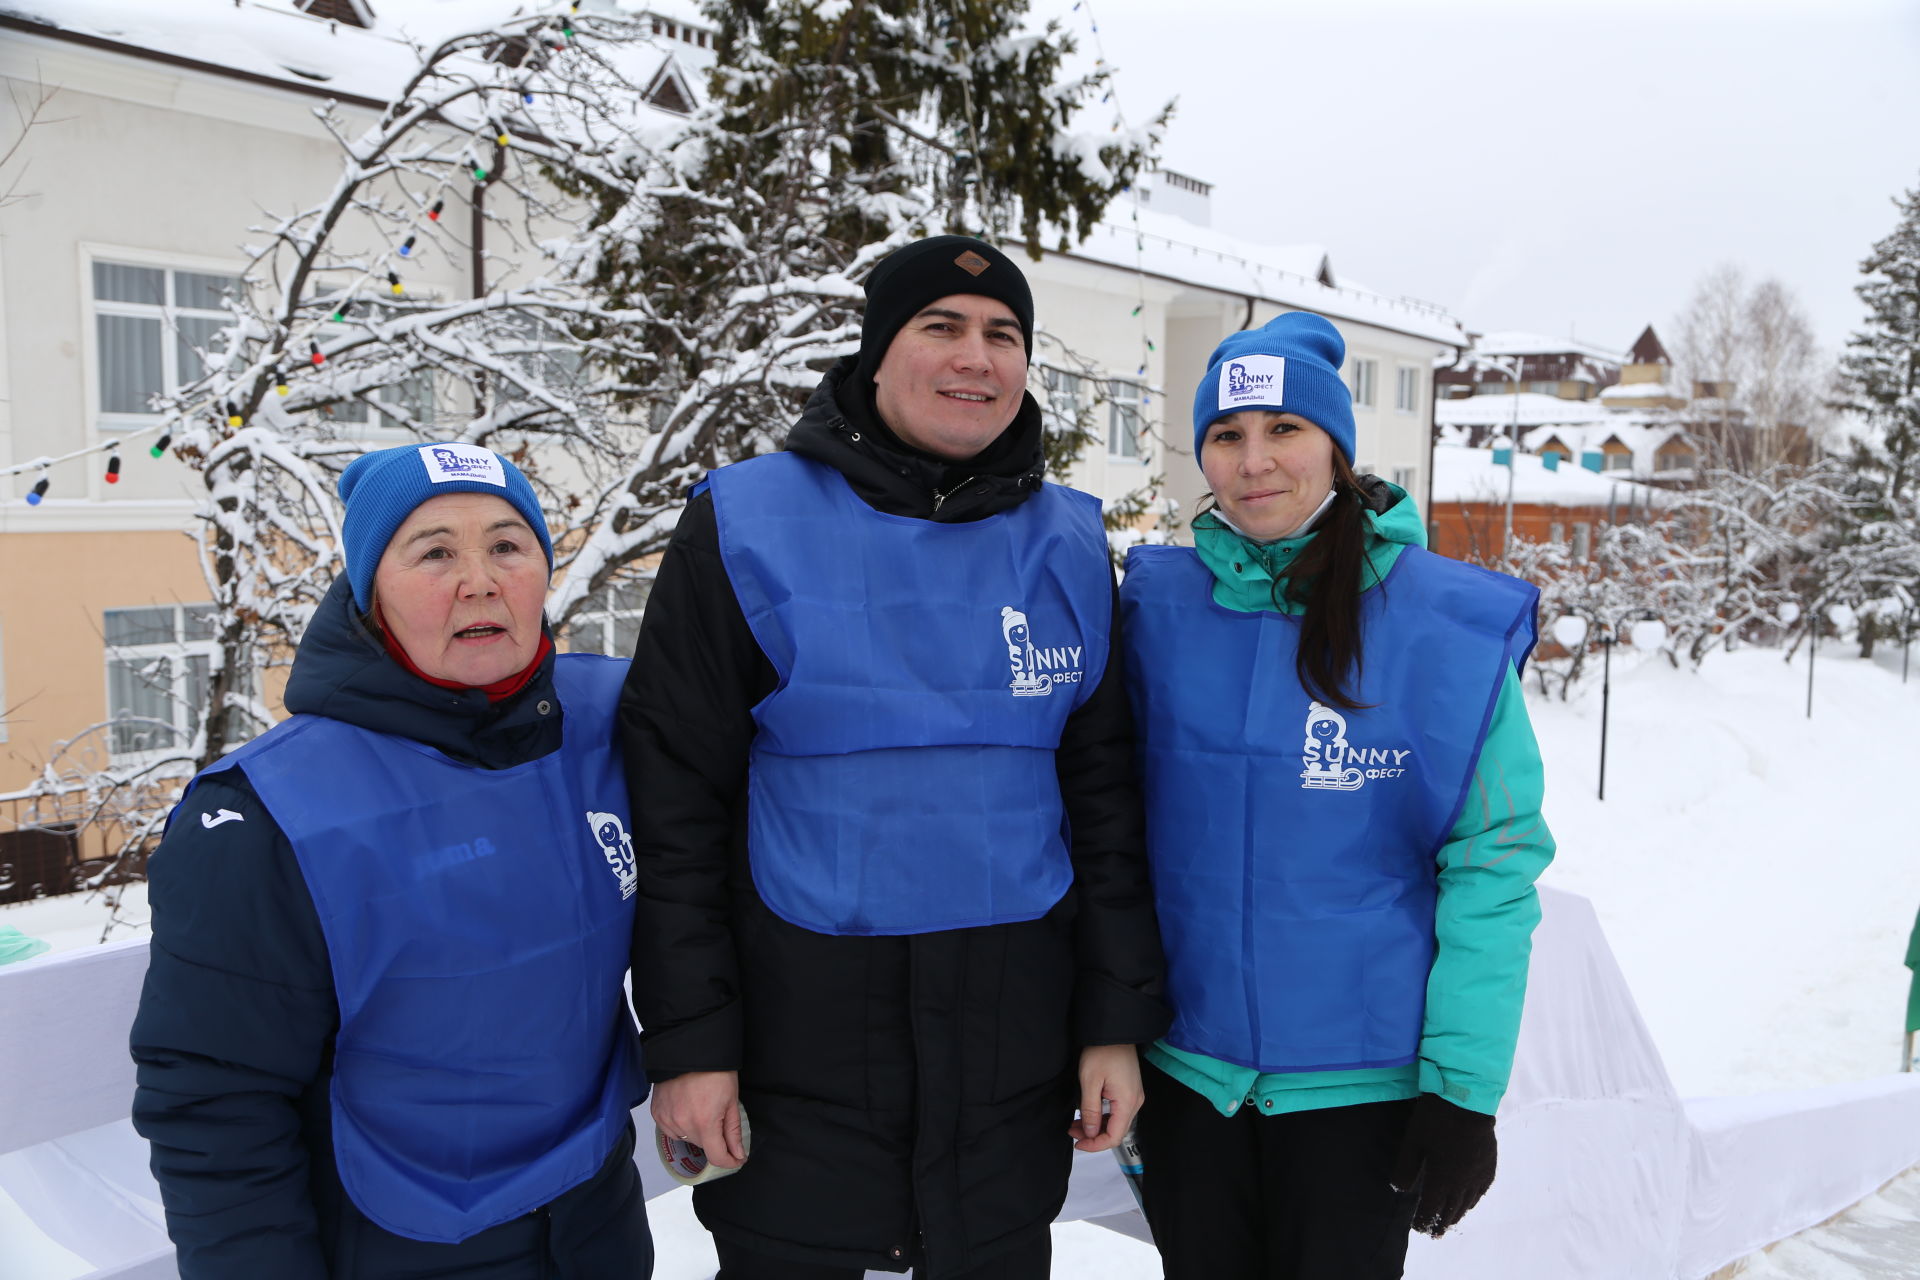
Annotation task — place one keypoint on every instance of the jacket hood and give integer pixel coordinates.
(342, 671)
(839, 428)
(1392, 514)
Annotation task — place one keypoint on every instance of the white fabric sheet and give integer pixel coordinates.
(1766, 1166)
(64, 1018)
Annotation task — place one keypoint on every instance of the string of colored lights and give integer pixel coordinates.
(346, 299)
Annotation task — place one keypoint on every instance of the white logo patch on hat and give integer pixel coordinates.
(1246, 380)
(446, 462)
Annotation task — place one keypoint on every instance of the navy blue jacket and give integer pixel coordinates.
(233, 1042)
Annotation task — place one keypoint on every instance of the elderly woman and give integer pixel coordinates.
(1343, 806)
(383, 1034)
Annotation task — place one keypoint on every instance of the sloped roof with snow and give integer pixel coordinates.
(1643, 439)
(1534, 409)
(1639, 391)
(1513, 342)
(1462, 474)
(1168, 246)
(275, 40)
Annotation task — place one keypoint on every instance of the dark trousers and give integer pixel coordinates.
(1302, 1196)
(1030, 1263)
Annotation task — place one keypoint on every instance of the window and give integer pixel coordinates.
(1123, 419)
(158, 665)
(1066, 394)
(1365, 374)
(1403, 476)
(1582, 540)
(1406, 389)
(150, 326)
(1619, 462)
(1556, 533)
(610, 623)
(1677, 462)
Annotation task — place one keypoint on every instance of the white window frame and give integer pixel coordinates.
(1124, 398)
(1403, 476)
(165, 312)
(1616, 461)
(178, 652)
(1067, 392)
(615, 612)
(1582, 540)
(1366, 382)
(1406, 389)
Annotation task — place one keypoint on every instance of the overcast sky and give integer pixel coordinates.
(1552, 165)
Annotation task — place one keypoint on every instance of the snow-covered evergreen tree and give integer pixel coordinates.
(1880, 382)
(1880, 373)
(835, 133)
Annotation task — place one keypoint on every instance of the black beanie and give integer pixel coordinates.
(925, 271)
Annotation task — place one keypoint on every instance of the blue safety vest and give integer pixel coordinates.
(478, 923)
(902, 778)
(1293, 844)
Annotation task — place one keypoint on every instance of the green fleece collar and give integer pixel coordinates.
(1245, 572)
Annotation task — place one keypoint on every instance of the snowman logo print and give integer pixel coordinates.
(1326, 752)
(616, 846)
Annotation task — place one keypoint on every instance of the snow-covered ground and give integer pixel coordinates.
(1756, 872)
(1877, 1239)
(78, 919)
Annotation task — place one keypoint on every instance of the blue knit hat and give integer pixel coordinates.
(381, 490)
(1290, 364)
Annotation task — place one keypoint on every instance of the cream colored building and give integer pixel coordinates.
(162, 147)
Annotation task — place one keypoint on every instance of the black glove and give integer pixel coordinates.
(1447, 1157)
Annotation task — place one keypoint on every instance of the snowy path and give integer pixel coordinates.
(1878, 1239)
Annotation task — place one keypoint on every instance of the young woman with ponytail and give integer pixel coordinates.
(1343, 796)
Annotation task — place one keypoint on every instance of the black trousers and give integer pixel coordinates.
(1031, 1263)
(1302, 1196)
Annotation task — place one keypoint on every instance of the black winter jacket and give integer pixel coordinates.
(908, 1096)
(233, 1041)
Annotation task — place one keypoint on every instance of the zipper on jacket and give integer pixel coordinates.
(939, 497)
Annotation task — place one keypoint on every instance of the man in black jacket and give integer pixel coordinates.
(907, 1063)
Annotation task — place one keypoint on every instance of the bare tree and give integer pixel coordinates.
(30, 110)
(1756, 374)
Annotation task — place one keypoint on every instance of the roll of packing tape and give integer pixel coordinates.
(687, 1164)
